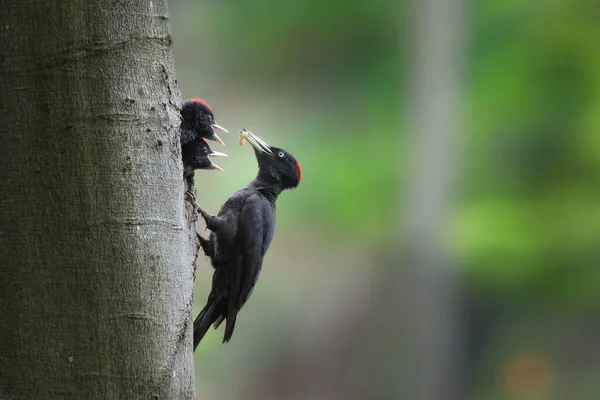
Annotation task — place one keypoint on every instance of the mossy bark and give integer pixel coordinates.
(97, 246)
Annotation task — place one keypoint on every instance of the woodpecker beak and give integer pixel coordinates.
(215, 137)
(217, 154)
(215, 167)
(256, 142)
(219, 128)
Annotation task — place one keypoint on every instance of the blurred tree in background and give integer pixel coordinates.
(323, 79)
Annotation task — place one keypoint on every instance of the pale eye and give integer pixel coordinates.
(280, 154)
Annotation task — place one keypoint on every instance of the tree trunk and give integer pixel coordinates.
(96, 244)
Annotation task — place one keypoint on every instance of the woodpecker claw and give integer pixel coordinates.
(191, 198)
(205, 244)
(204, 214)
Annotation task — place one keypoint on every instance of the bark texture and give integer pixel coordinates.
(96, 244)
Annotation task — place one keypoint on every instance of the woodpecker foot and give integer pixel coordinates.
(204, 214)
(192, 199)
(217, 224)
(206, 247)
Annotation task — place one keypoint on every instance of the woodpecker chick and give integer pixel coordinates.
(199, 157)
(198, 121)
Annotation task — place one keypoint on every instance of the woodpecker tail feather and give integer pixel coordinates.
(233, 302)
(210, 313)
(229, 326)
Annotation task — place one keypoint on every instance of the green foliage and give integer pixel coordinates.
(530, 211)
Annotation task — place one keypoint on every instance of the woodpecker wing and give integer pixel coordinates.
(250, 239)
(244, 270)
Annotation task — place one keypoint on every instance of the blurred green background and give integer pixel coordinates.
(325, 81)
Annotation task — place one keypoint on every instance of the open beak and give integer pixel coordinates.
(256, 142)
(215, 137)
(215, 167)
(216, 154)
(219, 128)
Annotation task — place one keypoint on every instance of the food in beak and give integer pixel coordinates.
(256, 142)
(243, 137)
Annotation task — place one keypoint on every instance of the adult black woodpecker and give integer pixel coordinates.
(199, 157)
(241, 234)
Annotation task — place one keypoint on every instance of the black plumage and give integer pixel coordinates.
(241, 234)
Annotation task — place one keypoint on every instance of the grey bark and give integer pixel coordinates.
(437, 37)
(96, 245)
